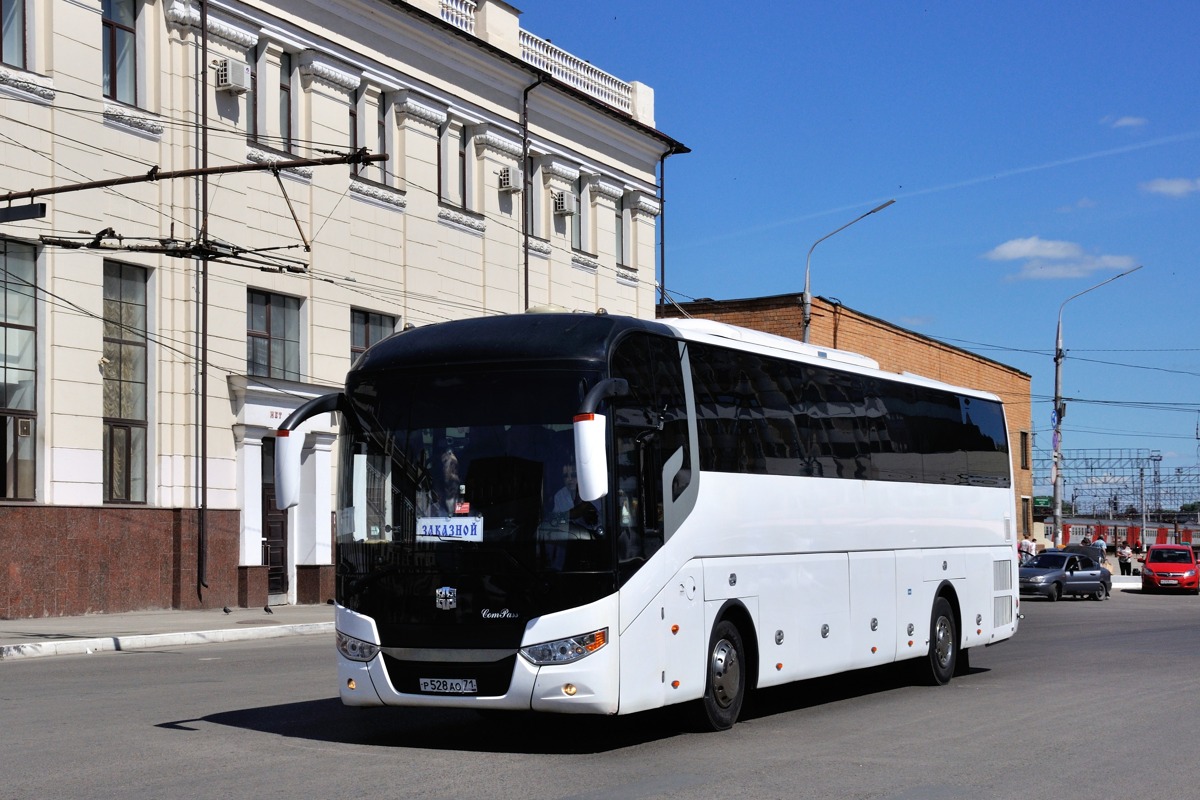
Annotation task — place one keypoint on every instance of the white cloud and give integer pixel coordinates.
(1045, 259)
(1034, 247)
(1172, 187)
(1080, 204)
(1129, 122)
(915, 323)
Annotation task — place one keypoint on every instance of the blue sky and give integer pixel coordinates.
(1033, 149)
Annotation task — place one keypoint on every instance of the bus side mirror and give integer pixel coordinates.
(591, 456)
(288, 445)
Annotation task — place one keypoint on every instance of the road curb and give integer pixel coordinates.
(143, 641)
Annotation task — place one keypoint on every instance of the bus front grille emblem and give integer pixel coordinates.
(447, 598)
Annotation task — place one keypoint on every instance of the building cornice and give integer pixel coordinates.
(557, 169)
(407, 104)
(318, 66)
(128, 118)
(29, 84)
(258, 156)
(490, 140)
(462, 220)
(585, 264)
(187, 15)
(647, 205)
(609, 190)
(381, 194)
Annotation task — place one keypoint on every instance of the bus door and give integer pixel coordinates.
(656, 479)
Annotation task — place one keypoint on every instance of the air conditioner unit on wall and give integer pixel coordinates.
(564, 203)
(511, 179)
(232, 76)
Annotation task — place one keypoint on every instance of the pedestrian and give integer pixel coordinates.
(1101, 549)
(1125, 558)
(1028, 548)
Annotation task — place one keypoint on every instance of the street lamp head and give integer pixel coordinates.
(806, 311)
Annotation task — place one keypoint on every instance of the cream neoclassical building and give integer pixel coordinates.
(154, 330)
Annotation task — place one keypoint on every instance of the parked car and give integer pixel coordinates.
(1170, 567)
(1053, 573)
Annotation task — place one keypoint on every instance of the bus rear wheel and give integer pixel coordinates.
(725, 687)
(943, 643)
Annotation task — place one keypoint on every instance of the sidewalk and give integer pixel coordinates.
(138, 630)
(1120, 581)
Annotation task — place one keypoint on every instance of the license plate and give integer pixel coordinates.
(449, 685)
(1169, 583)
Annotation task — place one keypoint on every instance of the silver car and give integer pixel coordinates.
(1053, 573)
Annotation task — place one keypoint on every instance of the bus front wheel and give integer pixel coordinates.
(725, 688)
(943, 643)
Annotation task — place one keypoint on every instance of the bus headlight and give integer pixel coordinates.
(355, 649)
(564, 651)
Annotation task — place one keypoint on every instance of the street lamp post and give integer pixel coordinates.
(1056, 416)
(807, 311)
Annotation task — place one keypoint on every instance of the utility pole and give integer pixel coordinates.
(1060, 408)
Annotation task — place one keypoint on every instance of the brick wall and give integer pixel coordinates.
(896, 350)
(62, 561)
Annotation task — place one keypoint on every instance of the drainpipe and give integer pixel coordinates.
(201, 515)
(662, 221)
(527, 169)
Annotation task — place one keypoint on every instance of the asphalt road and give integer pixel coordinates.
(1090, 700)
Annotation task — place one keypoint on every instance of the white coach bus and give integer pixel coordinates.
(748, 511)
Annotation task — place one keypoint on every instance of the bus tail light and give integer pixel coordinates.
(564, 651)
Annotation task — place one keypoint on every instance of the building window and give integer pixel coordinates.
(272, 335)
(452, 165)
(252, 95)
(462, 166)
(355, 99)
(285, 100)
(1024, 449)
(12, 42)
(367, 328)
(119, 20)
(18, 369)
(1026, 516)
(124, 371)
(619, 223)
(381, 137)
(577, 217)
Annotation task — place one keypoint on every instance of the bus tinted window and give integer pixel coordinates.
(761, 415)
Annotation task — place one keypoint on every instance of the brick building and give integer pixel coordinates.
(896, 350)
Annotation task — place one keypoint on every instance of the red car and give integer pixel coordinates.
(1170, 566)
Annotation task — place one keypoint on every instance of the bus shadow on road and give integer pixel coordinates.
(327, 720)
(449, 729)
(816, 692)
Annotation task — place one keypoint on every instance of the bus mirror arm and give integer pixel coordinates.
(609, 387)
(289, 442)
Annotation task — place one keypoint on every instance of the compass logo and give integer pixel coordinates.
(446, 598)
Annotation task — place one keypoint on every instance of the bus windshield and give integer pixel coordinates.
(464, 472)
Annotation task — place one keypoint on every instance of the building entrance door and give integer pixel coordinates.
(274, 528)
